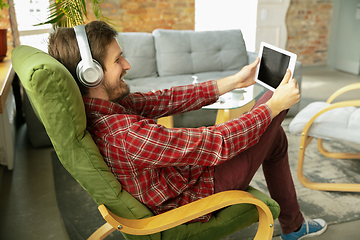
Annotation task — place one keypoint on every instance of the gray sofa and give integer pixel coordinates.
(166, 58)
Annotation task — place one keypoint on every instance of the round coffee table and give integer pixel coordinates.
(232, 104)
(229, 105)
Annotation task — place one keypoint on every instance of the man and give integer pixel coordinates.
(166, 168)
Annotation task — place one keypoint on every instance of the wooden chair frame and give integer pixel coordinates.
(184, 214)
(306, 139)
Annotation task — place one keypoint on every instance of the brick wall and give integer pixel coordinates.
(308, 25)
(147, 15)
(308, 22)
(4, 20)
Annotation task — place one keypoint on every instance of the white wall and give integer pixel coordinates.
(228, 14)
(344, 42)
(271, 27)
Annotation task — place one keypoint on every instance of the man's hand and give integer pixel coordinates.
(244, 78)
(285, 96)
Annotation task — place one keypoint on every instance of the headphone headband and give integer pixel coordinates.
(88, 70)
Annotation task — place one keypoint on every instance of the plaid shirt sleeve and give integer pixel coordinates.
(172, 101)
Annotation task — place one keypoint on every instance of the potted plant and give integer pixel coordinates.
(69, 13)
(3, 35)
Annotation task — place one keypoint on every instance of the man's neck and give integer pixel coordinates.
(98, 92)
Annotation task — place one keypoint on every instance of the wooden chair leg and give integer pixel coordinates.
(266, 224)
(102, 232)
(341, 187)
(337, 155)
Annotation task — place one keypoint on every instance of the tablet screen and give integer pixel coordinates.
(273, 66)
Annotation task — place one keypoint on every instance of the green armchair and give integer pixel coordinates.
(57, 102)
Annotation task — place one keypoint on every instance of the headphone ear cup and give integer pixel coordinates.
(88, 70)
(90, 77)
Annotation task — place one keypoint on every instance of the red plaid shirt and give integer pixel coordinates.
(167, 168)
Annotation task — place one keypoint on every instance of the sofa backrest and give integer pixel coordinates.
(189, 52)
(176, 52)
(139, 50)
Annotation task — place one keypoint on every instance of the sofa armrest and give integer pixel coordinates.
(298, 72)
(252, 56)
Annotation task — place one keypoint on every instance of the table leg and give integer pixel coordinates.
(166, 121)
(224, 115)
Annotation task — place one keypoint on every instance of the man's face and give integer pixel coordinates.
(116, 66)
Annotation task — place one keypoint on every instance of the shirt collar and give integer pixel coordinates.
(102, 106)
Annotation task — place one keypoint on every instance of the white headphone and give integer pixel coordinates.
(88, 70)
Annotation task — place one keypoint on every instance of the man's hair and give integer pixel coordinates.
(63, 46)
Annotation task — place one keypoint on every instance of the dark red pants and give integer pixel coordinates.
(271, 152)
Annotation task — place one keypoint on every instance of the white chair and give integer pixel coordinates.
(338, 121)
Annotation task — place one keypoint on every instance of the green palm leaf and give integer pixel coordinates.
(69, 13)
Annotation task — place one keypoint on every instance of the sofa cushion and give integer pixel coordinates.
(188, 52)
(139, 50)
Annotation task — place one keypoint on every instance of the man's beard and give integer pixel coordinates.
(114, 97)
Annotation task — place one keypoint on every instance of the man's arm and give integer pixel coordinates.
(172, 101)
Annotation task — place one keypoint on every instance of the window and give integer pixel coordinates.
(28, 14)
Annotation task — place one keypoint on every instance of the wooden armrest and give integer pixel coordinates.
(102, 232)
(343, 90)
(191, 211)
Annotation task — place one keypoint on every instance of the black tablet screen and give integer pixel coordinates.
(273, 67)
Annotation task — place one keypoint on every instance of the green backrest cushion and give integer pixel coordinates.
(57, 101)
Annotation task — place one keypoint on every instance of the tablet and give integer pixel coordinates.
(273, 64)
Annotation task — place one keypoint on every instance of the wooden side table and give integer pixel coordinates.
(7, 114)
